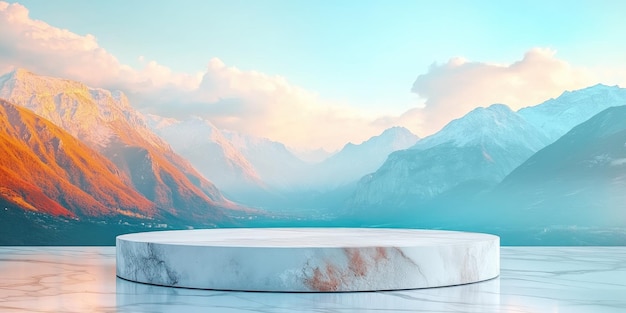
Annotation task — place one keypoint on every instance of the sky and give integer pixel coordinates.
(316, 73)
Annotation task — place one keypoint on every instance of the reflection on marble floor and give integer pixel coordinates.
(533, 279)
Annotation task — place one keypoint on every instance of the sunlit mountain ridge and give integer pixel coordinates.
(107, 123)
(45, 169)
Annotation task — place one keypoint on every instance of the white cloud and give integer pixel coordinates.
(246, 101)
(35, 44)
(48, 50)
(270, 106)
(452, 89)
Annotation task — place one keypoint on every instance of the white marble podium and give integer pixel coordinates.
(307, 259)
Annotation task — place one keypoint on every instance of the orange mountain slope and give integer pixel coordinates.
(106, 122)
(45, 169)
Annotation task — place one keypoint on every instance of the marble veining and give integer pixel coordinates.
(308, 259)
(532, 280)
(148, 262)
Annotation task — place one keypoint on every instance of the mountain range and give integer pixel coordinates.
(474, 153)
(260, 171)
(81, 160)
(479, 149)
(555, 117)
(106, 123)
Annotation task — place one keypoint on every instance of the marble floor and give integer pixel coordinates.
(533, 279)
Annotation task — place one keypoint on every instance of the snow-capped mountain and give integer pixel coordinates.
(354, 161)
(106, 122)
(557, 116)
(480, 148)
(496, 124)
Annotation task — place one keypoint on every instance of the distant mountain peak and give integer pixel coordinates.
(499, 107)
(597, 88)
(496, 123)
(491, 111)
(390, 135)
(555, 117)
(356, 160)
(396, 130)
(16, 74)
(19, 72)
(31, 79)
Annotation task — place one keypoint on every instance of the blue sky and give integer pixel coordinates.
(352, 54)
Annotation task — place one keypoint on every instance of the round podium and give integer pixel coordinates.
(307, 259)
